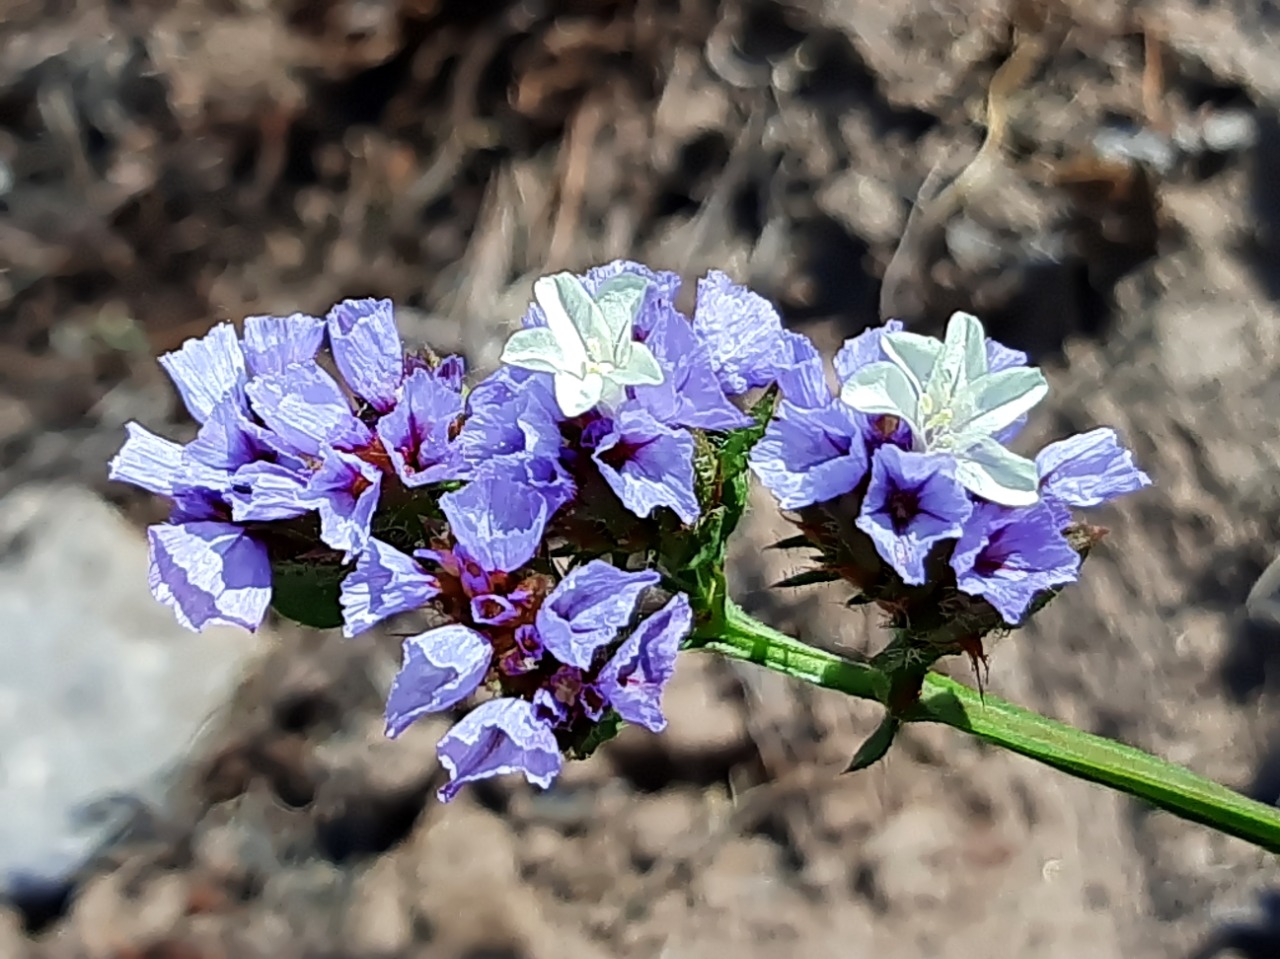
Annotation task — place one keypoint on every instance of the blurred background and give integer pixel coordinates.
(167, 164)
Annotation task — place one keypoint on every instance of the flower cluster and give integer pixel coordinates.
(327, 455)
(556, 519)
(281, 439)
(913, 448)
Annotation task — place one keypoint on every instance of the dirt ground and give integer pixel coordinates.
(167, 165)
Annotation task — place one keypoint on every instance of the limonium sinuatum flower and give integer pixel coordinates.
(953, 404)
(915, 454)
(588, 344)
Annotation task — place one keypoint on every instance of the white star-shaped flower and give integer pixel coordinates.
(588, 344)
(943, 391)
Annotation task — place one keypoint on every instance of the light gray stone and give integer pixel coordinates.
(101, 691)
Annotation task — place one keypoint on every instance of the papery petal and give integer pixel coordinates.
(367, 349)
(273, 342)
(306, 409)
(499, 737)
(1088, 469)
(863, 349)
(648, 465)
(385, 582)
(1008, 556)
(800, 372)
(210, 574)
(207, 369)
(809, 456)
(588, 608)
(634, 679)
(262, 492)
(440, 668)
(158, 465)
(912, 503)
(229, 438)
(741, 330)
(497, 524)
(690, 394)
(490, 609)
(416, 434)
(1001, 357)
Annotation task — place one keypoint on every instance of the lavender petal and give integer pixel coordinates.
(496, 738)
(440, 668)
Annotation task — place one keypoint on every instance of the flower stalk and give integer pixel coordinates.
(1124, 768)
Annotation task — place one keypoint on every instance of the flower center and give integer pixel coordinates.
(903, 506)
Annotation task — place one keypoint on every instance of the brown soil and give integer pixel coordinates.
(165, 165)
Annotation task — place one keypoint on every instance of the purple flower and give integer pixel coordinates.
(912, 503)
(741, 330)
(305, 407)
(633, 680)
(647, 464)
(209, 573)
(344, 490)
(499, 737)
(587, 610)
(1088, 470)
(418, 433)
(385, 582)
(809, 456)
(441, 667)
(664, 286)
(512, 434)
(367, 350)
(689, 394)
(1007, 556)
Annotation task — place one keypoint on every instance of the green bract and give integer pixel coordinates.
(953, 405)
(587, 344)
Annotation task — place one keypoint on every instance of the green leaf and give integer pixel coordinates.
(307, 594)
(810, 577)
(876, 746)
(608, 728)
(792, 542)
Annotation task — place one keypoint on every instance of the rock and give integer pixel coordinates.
(101, 691)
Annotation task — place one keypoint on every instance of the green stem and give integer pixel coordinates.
(1084, 755)
(743, 637)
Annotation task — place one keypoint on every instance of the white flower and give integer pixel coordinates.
(587, 344)
(954, 405)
